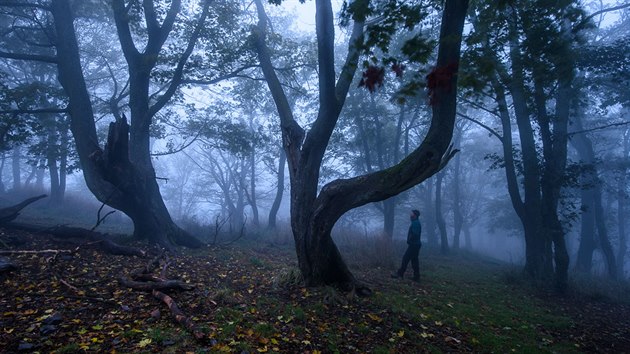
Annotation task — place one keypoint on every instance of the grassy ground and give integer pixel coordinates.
(248, 298)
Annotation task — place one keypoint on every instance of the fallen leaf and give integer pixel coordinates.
(375, 317)
(143, 343)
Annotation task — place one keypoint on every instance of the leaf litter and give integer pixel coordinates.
(75, 303)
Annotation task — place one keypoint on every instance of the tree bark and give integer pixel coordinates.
(438, 214)
(273, 212)
(622, 199)
(595, 216)
(130, 185)
(584, 260)
(314, 215)
(15, 165)
(535, 256)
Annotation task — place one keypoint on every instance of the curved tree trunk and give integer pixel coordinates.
(313, 216)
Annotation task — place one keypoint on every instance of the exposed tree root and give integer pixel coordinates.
(178, 314)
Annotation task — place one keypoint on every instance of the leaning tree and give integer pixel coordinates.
(313, 213)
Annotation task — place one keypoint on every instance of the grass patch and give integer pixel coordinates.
(490, 305)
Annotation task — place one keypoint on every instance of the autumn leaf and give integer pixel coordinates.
(401, 333)
(143, 343)
(375, 317)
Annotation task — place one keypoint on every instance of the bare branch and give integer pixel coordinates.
(611, 125)
(490, 130)
(602, 11)
(24, 4)
(30, 57)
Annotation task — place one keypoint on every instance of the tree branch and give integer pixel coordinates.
(611, 125)
(22, 4)
(292, 133)
(177, 75)
(35, 111)
(490, 130)
(602, 11)
(30, 57)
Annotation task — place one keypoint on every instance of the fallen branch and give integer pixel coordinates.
(178, 314)
(10, 213)
(159, 285)
(87, 237)
(106, 244)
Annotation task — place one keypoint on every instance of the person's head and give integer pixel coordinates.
(415, 213)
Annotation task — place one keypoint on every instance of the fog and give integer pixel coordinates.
(559, 143)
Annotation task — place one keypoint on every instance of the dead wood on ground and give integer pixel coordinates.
(10, 213)
(179, 316)
(142, 279)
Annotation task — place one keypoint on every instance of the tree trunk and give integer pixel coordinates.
(63, 163)
(430, 217)
(458, 218)
(3, 160)
(467, 237)
(622, 199)
(52, 163)
(438, 214)
(596, 215)
(313, 216)
(584, 260)
(389, 217)
(535, 243)
(121, 175)
(252, 188)
(273, 213)
(15, 165)
(602, 232)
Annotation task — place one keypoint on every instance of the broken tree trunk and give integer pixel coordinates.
(10, 213)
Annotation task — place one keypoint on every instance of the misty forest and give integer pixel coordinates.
(248, 176)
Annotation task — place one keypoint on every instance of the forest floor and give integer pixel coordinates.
(247, 298)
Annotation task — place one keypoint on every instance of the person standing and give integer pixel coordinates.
(413, 248)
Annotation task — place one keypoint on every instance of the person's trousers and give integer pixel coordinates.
(411, 255)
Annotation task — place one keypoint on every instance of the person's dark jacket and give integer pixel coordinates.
(413, 236)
